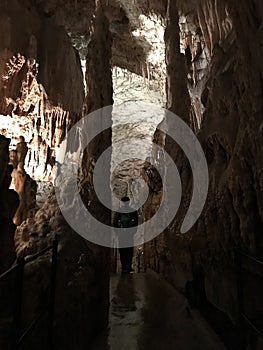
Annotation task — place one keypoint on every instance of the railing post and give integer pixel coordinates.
(240, 298)
(240, 292)
(52, 295)
(18, 298)
(115, 259)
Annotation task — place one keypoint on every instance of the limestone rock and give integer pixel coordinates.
(43, 95)
(26, 188)
(225, 95)
(9, 202)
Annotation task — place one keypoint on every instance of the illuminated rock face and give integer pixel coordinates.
(132, 122)
(42, 91)
(41, 83)
(26, 188)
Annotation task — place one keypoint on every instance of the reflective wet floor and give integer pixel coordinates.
(147, 313)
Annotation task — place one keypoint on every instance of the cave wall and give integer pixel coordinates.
(31, 35)
(42, 89)
(231, 136)
(99, 95)
(178, 100)
(41, 83)
(214, 85)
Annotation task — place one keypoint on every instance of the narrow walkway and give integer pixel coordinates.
(147, 313)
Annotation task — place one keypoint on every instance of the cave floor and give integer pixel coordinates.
(147, 313)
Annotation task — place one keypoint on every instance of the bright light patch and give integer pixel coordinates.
(152, 29)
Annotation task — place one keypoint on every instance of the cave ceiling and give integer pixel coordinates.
(128, 51)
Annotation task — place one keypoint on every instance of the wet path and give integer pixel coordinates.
(147, 313)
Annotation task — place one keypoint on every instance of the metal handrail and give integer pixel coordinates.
(31, 326)
(240, 291)
(250, 257)
(9, 271)
(19, 267)
(31, 258)
(27, 260)
(252, 326)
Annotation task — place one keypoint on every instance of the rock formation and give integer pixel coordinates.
(42, 91)
(213, 74)
(26, 188)
(9, 202)
(226, 108)
(21, 150)
(34, 84)
(99, 95)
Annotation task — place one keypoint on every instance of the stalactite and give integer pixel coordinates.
(218, 18)
(148, 73)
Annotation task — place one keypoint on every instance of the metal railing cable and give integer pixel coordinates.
(244, 318)
(21, 334)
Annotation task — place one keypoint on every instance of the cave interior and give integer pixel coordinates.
(132, 63)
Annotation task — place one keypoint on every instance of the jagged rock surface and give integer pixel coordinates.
(99, 95)
(26, 188)
(43, 95)
(231, 136)
(214, 84)
(42, 88)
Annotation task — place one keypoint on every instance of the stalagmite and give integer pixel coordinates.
(21, 150)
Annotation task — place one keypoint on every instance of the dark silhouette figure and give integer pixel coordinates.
(21, 150)
(9, 202)
(126, 219)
